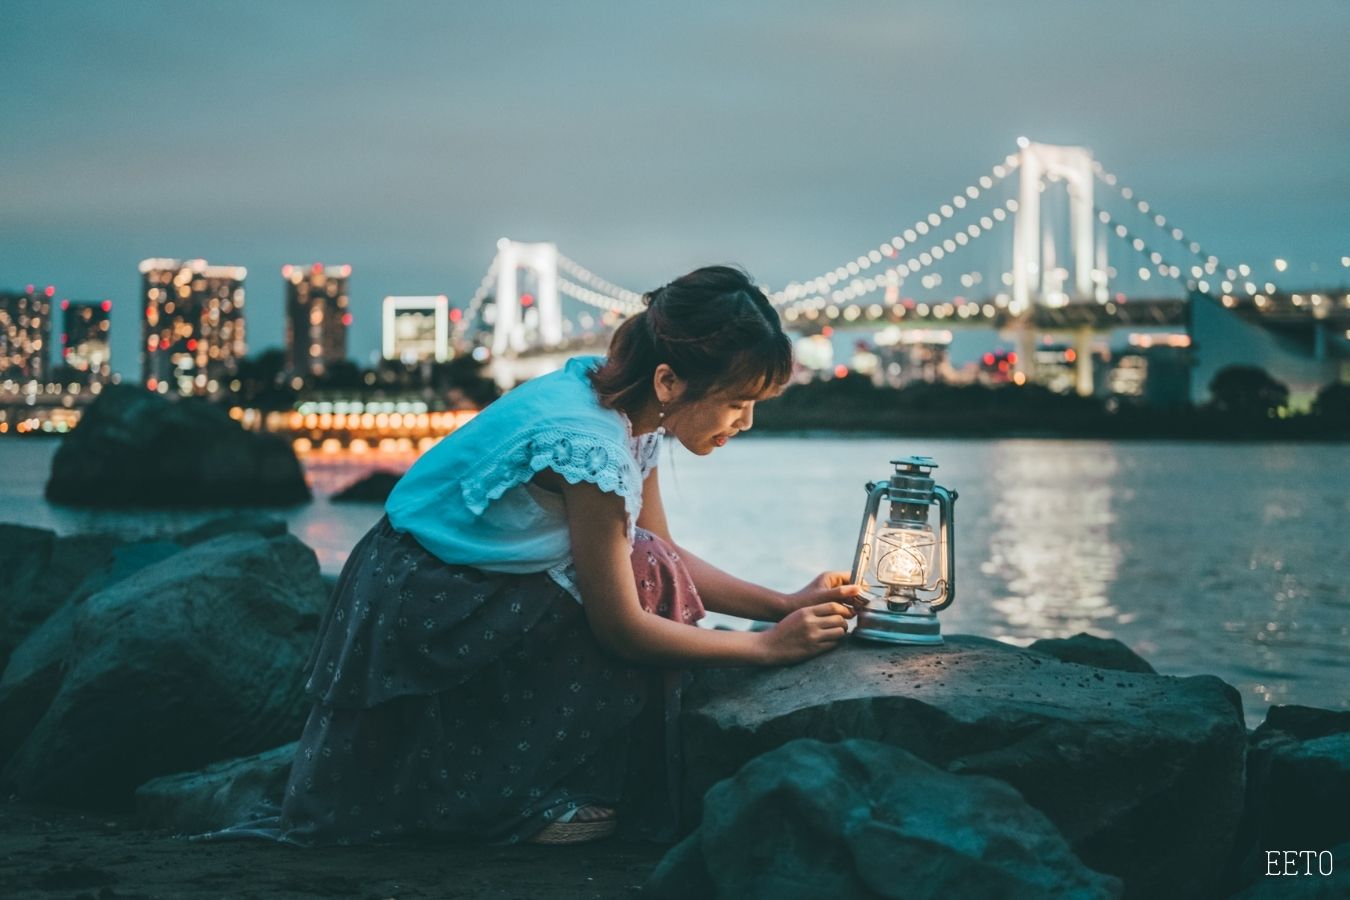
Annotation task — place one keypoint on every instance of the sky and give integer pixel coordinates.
(644, 139)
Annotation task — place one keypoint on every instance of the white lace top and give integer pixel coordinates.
(469, 499)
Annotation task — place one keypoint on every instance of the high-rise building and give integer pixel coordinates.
(85, 340)
(317, 316)
(194, 324)
(25, 335)
(417, 328)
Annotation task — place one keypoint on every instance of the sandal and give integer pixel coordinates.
(600, 822)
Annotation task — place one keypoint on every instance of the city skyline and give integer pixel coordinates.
(780, 137)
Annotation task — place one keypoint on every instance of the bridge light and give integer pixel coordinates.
(1281, 265)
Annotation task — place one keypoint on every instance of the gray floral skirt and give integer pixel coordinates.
(454, 702)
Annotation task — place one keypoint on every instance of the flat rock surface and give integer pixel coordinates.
(49, 853)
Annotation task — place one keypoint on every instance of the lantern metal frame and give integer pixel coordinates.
(907, 617)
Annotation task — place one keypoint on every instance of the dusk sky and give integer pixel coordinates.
(405, 138)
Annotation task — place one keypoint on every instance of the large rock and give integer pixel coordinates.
(135, 448)
(1298, 787)
(1142, 773)
(1088, 650)
(191, 660)
(38, 570)
(860, 819)
(33, 674)
(221, 795)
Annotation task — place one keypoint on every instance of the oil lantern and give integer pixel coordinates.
(907, 572)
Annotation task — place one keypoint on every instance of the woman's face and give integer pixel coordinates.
(705, 424)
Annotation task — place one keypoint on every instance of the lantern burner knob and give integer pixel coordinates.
(913, 464)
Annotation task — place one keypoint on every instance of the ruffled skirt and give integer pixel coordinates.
(461, 703)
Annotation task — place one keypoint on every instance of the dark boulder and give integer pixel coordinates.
(1087, 650)
(1304, 723)
(24, 557)
(221, 795)
(374, 488)
(38, 570)
(193, 659)
(1143, 774)
(135, 448)
(1298, 787)
(861, 819)
(33, 674)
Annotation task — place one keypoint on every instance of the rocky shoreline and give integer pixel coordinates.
(150, 689)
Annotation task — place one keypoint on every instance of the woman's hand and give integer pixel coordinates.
(805, 633)
(827, 587)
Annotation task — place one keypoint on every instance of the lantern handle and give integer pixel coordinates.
(946, 501)
(875, 491)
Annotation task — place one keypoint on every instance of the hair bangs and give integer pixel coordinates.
(761, 367)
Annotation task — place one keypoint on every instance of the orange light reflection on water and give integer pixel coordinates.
(329, 469)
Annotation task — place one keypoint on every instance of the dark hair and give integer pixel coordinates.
(714, 327)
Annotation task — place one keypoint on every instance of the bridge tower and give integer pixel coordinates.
(509, 328)
(1033, 257)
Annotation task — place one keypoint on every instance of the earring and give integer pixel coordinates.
(661, 415)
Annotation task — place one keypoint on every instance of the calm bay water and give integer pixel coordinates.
(1205, 558)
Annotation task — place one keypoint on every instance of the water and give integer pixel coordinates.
(1228, 559)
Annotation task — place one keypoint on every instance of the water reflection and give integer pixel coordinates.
(1052, 557)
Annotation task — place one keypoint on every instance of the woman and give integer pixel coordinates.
(498, 660)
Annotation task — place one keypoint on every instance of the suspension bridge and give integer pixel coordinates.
(1046, 242)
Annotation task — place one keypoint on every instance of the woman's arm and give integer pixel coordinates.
(600, 550)
(721, 591)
